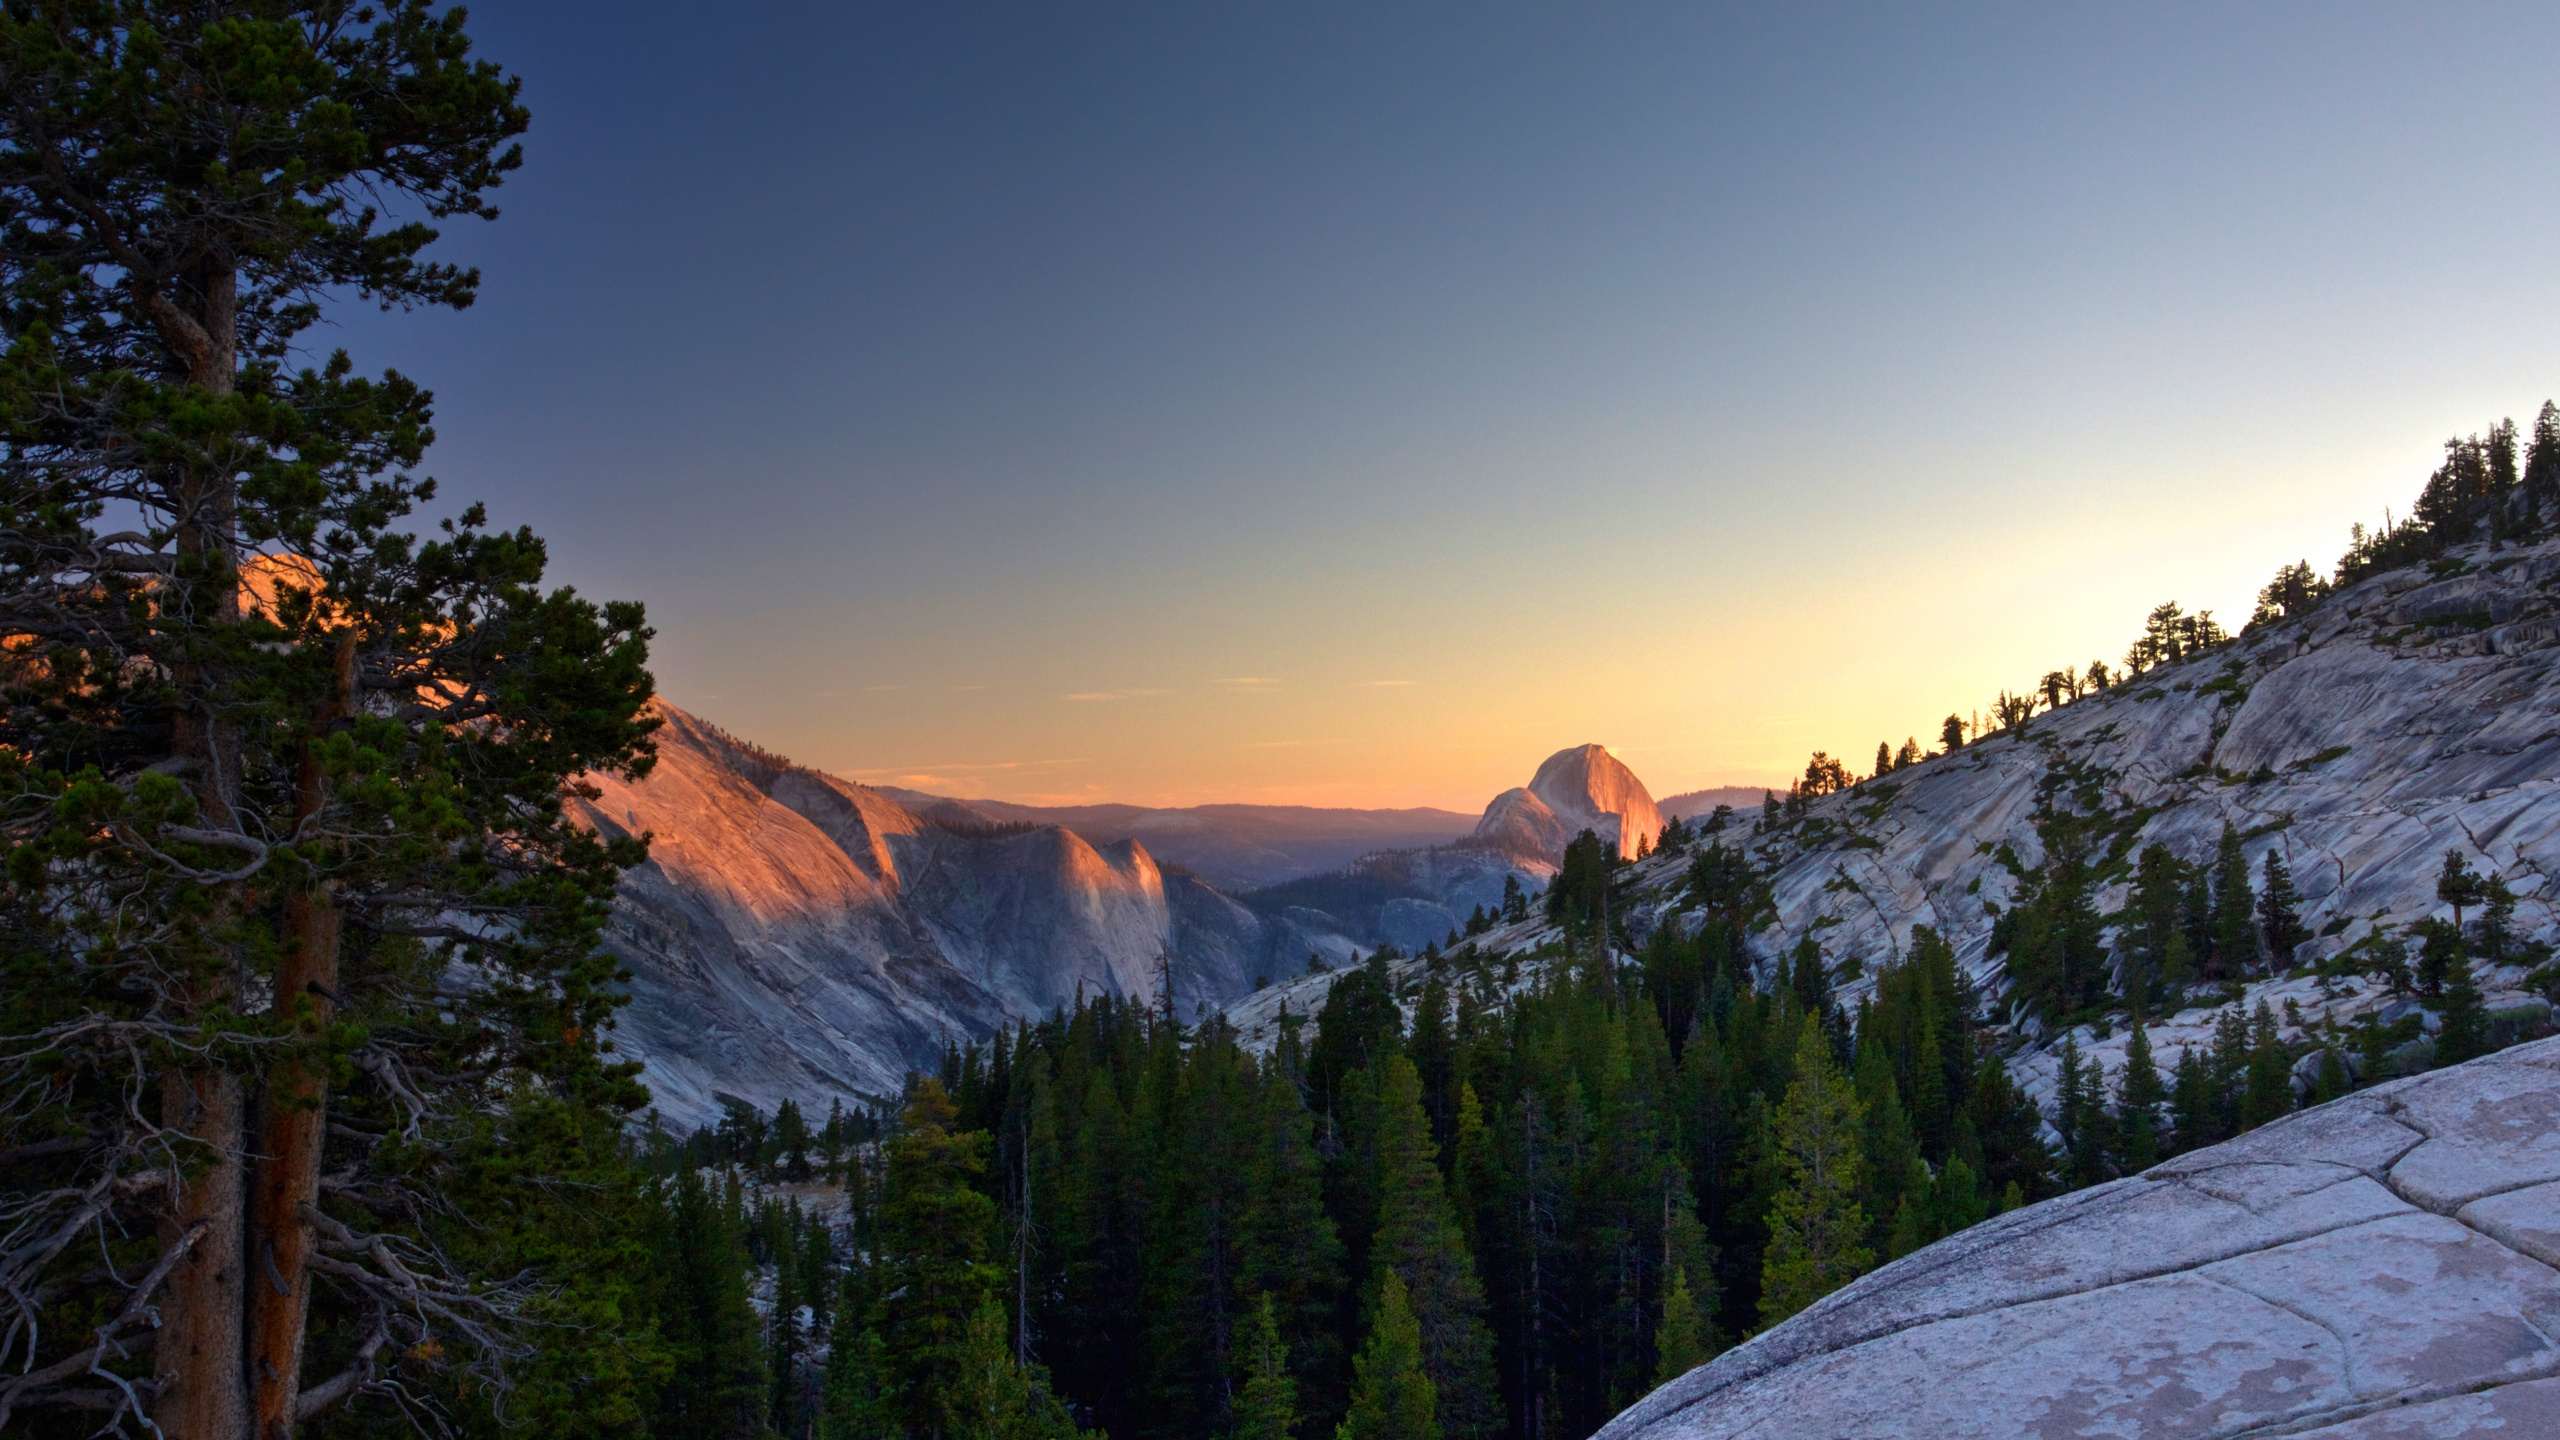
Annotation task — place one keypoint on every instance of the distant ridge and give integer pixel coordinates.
(1235, 847)
(1689, 805)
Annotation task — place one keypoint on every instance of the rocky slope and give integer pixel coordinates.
(2382, 1266)
(2416, 712)
(797, 935)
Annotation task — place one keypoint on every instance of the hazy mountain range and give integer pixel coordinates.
(1231, 846)
(794, 934)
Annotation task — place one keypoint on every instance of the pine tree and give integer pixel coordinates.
(2269, 1072)
(2139, 1094)
(717, 1389)
(2542, 457)
(2439, 955)
(855, 1403)
(1416, 1242)
(1290, 1249)
(934, 1232)
(2458, 885)
(257, 737)
(2235, 931)
(1684, 1342)
(2191, 1101)
(1815, 1224)
(990, 1397)
(2280, 910)
(1392, 1398)
(1267, 1405)
(2465, 1033)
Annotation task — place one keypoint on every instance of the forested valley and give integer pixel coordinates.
(1505, 1198)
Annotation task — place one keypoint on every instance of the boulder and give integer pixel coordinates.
(2380, 1266)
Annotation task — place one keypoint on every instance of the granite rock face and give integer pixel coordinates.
(2413, 713)
(2381, 1266)
(1584, 788)
(797, 935)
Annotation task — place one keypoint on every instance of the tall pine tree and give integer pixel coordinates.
(1816, 1229)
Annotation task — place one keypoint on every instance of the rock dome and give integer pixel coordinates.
(2378, 1268)
(1583, 788)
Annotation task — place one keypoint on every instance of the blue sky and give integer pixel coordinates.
(1353, 404)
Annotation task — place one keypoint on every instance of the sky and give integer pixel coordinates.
(1353, 404)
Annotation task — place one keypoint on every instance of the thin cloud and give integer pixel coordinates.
(1387, 684)
(1247, 682)
(1112, 694)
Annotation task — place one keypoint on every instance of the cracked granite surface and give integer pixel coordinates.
(2379, 1268)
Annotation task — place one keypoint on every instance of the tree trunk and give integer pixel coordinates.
(288, 1176)
(200, 1359)
(197, 1359)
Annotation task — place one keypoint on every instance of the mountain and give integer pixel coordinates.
(798, 935)
(1234, 847)
(795, 934)
(1697, 804)
(1584, 788)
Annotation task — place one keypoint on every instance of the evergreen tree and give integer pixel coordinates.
(934, 1232)
(2458, 885)
(1392, 1398)
(991, 1397)
(1951, 734)
(857, 1405)
(2235, 931)
(1684, 1341)
(2439, 955)
(1815, 1225)
(2269, 1073)
(2191, 1101)
(2280, 910)
(2542, 457)
(2493, 935)
(1267, 1406)
(256, 738)
(2465, 1033)
(791, 1141)
(717, 1388)
(2139, 1095)
(1417, 1244)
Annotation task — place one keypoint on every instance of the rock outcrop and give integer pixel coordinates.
(2379, 1268)
(1584, 788)
(797, 935)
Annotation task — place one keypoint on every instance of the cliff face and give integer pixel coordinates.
(797, 935)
